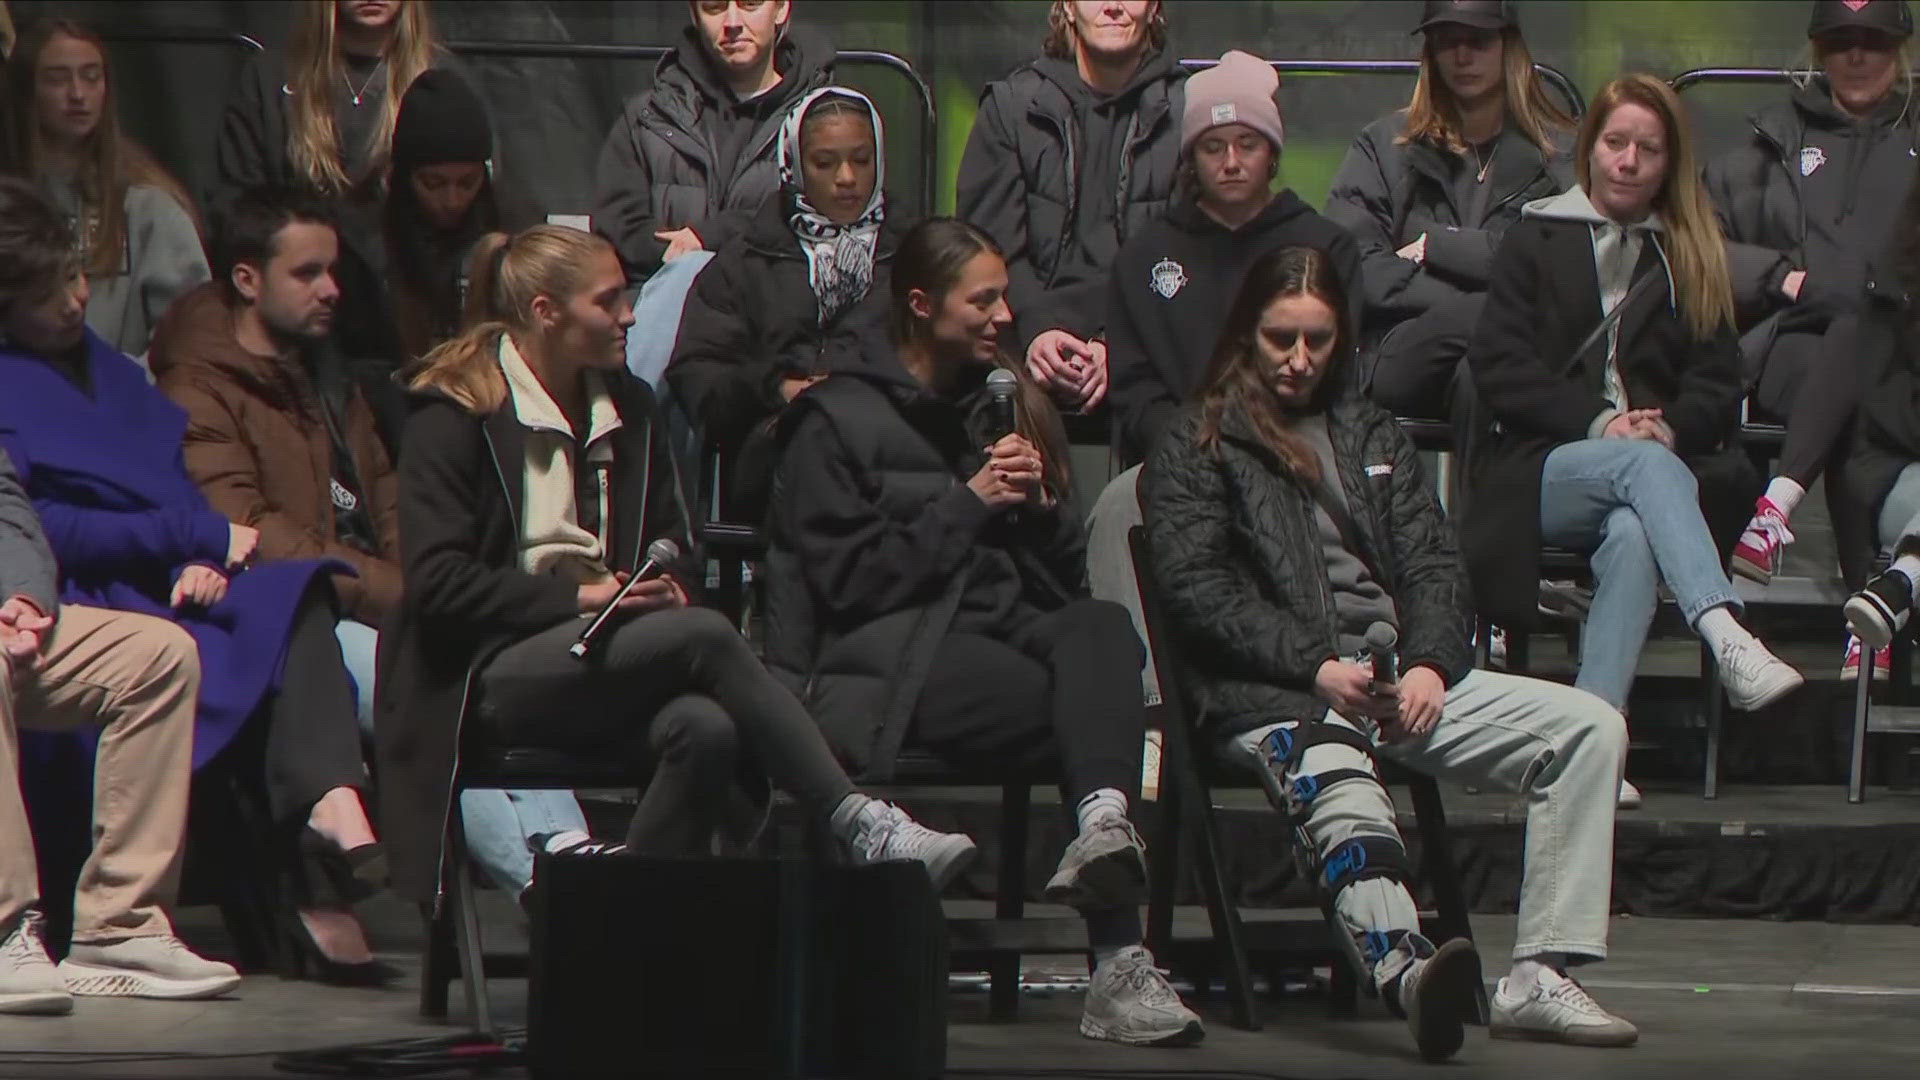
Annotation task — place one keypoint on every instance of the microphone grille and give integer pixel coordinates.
(1382, 637)
(663, 550)
(1002, 383)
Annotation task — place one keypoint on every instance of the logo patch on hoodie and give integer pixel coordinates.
(342, 498)
(1168, 278)
(1811, 158)
(1382, 469)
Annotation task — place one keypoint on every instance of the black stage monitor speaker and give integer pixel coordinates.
(735, 968)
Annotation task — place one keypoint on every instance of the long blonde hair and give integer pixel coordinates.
(110, 161)
(1062, 41)
(315, 71)
(1693, 243)
(1433, 115)
(504, 275)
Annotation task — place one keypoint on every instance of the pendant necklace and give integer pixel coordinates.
(357, 95)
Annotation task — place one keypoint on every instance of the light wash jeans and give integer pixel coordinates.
(1560, 747)
(1900, 514)
(498, 823)
(656, 315)
(1636, 506)
(1110, 573)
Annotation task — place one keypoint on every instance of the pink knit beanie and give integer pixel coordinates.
(1237, 90)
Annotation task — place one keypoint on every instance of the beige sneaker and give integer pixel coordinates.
(148, 967)
(1558, 1009)
(1130, 1001)
(29, 985)
(1104, 867)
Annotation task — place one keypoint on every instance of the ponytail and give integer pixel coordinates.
(504, 274)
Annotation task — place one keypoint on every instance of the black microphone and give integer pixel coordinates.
(1002, 386)
(1382, 639)
(659, 553)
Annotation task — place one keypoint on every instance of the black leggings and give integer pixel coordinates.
(312, 734)
(1065, 688)
(675, 689)
(1815, 390)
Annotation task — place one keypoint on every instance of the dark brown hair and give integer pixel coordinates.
(110, 162)
(930, 258)
(1237, 378)
(36, 244)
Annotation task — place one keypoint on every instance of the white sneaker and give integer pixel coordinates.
(1629, 795)
(1557, 1010)
(1130, 1001)
(148, 967)
(1753, 677)
(897, 836)
(1436, 993)
(28, 982)
(1104, 867)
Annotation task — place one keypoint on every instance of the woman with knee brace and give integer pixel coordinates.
(533, 482)
(1291, 528)
(1608, 375)
(1805, 203)
(1429, 190)
(927, 585)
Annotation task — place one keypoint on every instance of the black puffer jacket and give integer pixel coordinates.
(1237, 551)
(878, 550)
(658, 169)
(752, 319)
(1887, 438)
(1388, 193)
(1024, 181)
(1813, 190)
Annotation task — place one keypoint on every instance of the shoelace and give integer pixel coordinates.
(881, 834)
(1743, 660)
(21, 943)
(1773, 528)
(1148, 983)
(1571, 994)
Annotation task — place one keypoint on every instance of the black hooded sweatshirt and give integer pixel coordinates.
(686, 153)
(1171, 289)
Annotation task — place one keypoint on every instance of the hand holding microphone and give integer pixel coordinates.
(643, 591)
(1013, 472)
(1419, 692)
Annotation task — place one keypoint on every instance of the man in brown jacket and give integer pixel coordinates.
(280, 438)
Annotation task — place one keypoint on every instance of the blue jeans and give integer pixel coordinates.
(656, 315)
(1900, 514)
(498, 823)
(1636, 507)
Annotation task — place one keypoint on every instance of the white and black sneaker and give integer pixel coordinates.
(1104, 867)
(1879, 611)
(1130, 1001)
(894, 835)
(565, 842)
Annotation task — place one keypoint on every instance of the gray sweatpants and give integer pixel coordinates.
(1560, 747)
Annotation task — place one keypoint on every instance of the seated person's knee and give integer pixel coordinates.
(694, 726)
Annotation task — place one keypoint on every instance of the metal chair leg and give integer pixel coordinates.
(473, 957)
(1016, 804)
(1222, 913)
(1857, 752)
(1163, 860)
(1716, 711)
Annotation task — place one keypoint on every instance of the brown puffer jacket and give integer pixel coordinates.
(257, 445)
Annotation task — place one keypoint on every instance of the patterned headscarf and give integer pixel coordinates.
(839, 257)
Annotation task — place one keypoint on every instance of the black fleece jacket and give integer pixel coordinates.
(1171, 289)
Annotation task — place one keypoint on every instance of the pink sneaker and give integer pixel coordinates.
(1757, 556)
(1882, 662)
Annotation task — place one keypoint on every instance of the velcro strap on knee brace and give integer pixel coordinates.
(1307, 787)
(1376, 944)
(1362, 858)
(1285, 747)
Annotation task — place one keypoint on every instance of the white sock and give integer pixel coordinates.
(566, 838)
(1100, 804)
(1526, 973)
(1910, 566)
(1784, 494)
(1718, 628)
(856, 814)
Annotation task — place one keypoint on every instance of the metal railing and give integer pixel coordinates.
(1695, 77)
(1556, 78)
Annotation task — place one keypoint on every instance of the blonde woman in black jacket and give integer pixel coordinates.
(1291, 524)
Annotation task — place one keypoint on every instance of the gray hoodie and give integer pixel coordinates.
(163, 260)
(26, 562)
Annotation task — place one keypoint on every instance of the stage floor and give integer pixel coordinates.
(1751, 999)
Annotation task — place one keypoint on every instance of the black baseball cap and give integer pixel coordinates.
(1889, 17)
(1481, 14)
